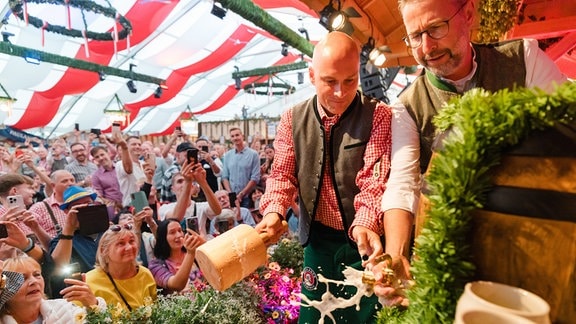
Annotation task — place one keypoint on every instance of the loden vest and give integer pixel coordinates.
(343, 149)
(425, 97)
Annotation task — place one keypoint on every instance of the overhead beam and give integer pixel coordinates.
(270, 70)
(249, 11)
(25, 52)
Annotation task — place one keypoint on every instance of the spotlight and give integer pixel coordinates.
(367, 48)
(326, 15)
(303, 30)
(131, 86)
(101, 76)
(6, 36)
(284, 50)
(237, 80)
(300, 77)
(158, 92)
(218, 11)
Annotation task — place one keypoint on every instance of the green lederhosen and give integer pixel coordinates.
(328, 253)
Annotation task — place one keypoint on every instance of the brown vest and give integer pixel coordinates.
(425, 97)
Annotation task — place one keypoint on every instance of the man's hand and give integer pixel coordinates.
(369, 244)
(273, 226)
(390, 285)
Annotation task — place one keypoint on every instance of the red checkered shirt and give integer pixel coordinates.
(371, 180)
(43, 216)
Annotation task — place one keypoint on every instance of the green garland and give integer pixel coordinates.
(496, 18)
(251, 88)
(483, 125)
(17, 8)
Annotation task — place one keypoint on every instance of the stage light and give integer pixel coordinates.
(131, 86)
(284, 50)
(6, 36)
(303, 30)
(326, 16)
(158, 92)
(300, 77)
(218, 11)
(101, 76)
(237, 81)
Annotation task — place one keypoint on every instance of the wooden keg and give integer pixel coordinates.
(525, 236)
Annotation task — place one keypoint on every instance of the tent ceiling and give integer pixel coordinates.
(196, 52)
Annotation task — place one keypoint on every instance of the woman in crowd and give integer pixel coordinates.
(173, 267)
(117, 277)
(147, 239)
(23, 295)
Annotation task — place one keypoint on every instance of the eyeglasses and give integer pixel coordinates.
(118, 228)
(436, 31)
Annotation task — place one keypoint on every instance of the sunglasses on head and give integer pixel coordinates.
(118, 228)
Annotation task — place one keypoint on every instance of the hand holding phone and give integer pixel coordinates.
(72, 271)
(16, 201)
(232, 197)
(192, 156)
(139, 201)
(116, 127)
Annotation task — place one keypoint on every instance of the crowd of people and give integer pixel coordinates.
(120, 212)
(349, 193)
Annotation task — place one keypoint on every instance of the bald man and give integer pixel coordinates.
(334, 148)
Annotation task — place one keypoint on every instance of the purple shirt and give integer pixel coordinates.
(105, 183)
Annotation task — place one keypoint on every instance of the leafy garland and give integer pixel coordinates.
(16, 7)
(483, 125)
(496, 18)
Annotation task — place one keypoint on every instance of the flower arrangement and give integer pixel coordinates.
(280, 291)
(270, 295)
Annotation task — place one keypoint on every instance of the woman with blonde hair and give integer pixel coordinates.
(22, 297)
(117, 277)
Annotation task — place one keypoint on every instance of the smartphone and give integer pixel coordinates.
(3, 231)
(262, 161)
(76, 126)
(72, 271)
(95, 131)
(192, 156)
(192, 223)
(18, 153)
(232, 197)
(93, 219)
(204, 148)
(16, 201)
(116, 127)
(139, 201)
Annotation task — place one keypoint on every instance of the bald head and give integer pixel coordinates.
(335, 46)
(334, 72)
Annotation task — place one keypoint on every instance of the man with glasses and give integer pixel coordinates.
(438, 34)
(81, 168)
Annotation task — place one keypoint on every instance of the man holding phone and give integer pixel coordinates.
(183, 186)
(180, 158)
(213, 166)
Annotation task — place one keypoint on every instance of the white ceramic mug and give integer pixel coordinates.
(489, 317)
(498, 298)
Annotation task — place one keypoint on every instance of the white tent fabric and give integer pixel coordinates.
(180, 41)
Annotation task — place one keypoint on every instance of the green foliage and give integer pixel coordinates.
(480, 125)
(238, 304)
(289, 254)
(496, 18)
